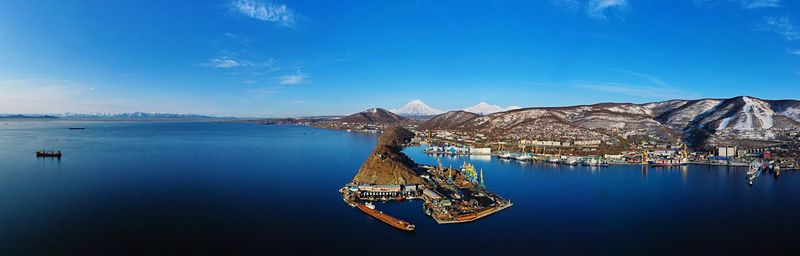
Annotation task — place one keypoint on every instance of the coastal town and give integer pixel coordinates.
(665, 133)
(457, 195)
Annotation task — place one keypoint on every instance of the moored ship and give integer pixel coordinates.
(667, 163)
(392, 221)
(51, 153)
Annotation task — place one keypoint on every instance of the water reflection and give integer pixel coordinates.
(482, 158)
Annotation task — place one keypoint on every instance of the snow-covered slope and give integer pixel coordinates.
(484, 108)
(449, 120)
(741, 120)
(416, 108)
(753, 114)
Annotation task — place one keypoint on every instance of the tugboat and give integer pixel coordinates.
(51, 153)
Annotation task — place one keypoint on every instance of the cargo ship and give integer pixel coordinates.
(42, 153)
(667, 163)
(392, 221)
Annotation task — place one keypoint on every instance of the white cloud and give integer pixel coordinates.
(795, 52)
(596, 9)
(783, 26)
(225, 62)
(744, 4)
(647, 87)
(754, 4)
(298, 78)
(650, 92)
(265, 11)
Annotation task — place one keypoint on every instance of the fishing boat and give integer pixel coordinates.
(370, 210)
(553, 160)
(571, 161)
(753, 172)
(505, 156)
(51, 153)
(77, 128)
(594, 162)
(524, 158)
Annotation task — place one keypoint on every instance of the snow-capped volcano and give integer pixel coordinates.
(416, 108)
(484, 108)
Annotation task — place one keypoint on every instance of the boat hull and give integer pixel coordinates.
(392, 221)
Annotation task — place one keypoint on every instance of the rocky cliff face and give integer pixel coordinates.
(387, 164)
(395, 136)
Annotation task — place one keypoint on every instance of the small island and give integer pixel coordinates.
(451, 195)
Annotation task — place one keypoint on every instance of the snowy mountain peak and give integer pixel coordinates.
(416, 108)
(484, 108)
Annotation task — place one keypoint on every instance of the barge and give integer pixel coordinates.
(392, 221)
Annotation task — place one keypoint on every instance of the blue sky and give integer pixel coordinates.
(294, 58)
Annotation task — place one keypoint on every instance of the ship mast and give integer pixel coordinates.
(483, 185)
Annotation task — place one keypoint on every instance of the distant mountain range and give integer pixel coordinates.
(417, 108)
(119, 116)
(15, 116)
(133, 115)
(484, 108)
(706, 122)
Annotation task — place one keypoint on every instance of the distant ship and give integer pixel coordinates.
(51, 153)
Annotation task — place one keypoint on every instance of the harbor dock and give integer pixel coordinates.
(450, 195)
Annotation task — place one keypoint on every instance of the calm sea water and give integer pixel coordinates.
(229, 188)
